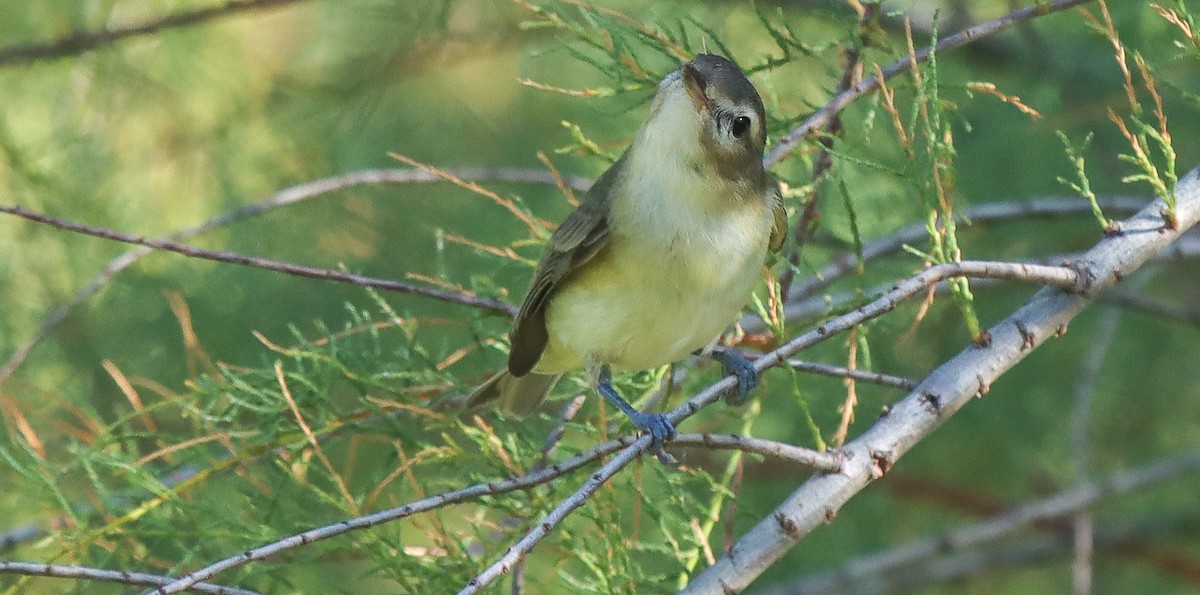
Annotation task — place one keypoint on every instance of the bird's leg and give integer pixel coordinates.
(736, 364)
(656, 424)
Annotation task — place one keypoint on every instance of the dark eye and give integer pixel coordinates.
(741, 125)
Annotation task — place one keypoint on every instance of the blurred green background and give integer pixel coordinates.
(157, 133)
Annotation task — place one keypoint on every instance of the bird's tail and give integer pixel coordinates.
(520, 395)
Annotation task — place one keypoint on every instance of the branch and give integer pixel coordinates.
(859, 375)
(823, 461)
(823, 116)
(946, 390)
(887, 303)
(1055, 276)
(475, 491)
(821, 305)
(109, 576)
(263, 263)
(285, 197)
(1129, 542)
(817, 460)
(795, 307)
(86, 42)
(1001, 211)
(806, 224)
(862, 571)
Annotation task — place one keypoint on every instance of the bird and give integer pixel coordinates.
(660, 256)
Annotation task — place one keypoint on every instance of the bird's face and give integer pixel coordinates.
(732, 127)
(706, 124)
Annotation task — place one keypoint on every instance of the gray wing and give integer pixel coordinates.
(582, 234)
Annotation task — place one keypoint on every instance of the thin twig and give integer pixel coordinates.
(807, 222)
(823, 116)
(351, 503)
(821, 461)
(286, 197)
(1081, 418)
(817, 460)
(391, 514)
(297, 270)
(821, 305)
(802, 305)
(569, 411)
(140, 579)
(857, 374)
(85, 42)
(979, 214)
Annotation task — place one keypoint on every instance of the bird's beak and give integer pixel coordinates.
(695, 84)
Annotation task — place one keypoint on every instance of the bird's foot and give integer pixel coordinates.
(660, 429)
(747, 376)
(656, 424)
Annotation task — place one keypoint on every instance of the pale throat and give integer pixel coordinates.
(672, 206)
(668, 182)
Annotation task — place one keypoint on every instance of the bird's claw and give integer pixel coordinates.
(656, 424)
(660, 429)
(747, 375)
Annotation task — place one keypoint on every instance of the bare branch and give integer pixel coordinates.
(973, 536)
(482, 489)
(518, 550)
(1184, 247)
(893, 242)
(1056, 275)
(1083, 525)
(860, 375)
(1142, 236)
(823, 116)
(288, 196)
(85, 42)
(798, 308)
(946, 390)
(824, 461)
(140, 579)
(264, 263)
(817, 460)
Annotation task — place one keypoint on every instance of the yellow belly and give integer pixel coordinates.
(649, 299)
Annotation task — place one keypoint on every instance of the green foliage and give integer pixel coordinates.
(1083, 187)
(161, 435)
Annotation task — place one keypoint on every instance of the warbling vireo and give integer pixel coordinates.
(661, 255)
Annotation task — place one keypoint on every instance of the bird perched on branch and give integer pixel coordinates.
(661, 255)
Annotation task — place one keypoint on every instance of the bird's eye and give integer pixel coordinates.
(741, 125)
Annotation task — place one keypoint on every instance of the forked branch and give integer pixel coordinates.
(946, 390)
